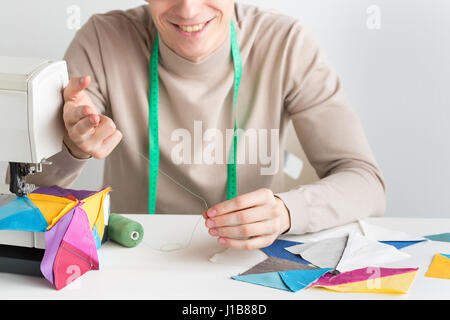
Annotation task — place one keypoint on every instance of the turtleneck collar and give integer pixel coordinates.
(174, 63)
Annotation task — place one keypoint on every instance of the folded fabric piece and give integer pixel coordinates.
(73, 222)
(98, 240)
(272, 264)
(53, 208)
(93, 205)
(440, 267)
(378, 233)
(361, 252)
(290, 280)
(53, 239)
(324, 253)
(277, 250)
(77, 252)
(270, 280)
(61, 192)
(370, 279)
(401, 244)
(43, 208)
(297, 280)
(55, 202)
(22, 215)
(52, 191)
(443, 237)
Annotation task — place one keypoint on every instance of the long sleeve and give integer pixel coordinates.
(83, 57)
(351, 185)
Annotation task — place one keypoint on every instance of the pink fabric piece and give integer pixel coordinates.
(77, 253)
(79, 234)
(53, 240)
(70, 264)
(363, 274)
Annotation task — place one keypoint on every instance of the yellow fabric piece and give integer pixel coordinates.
(439, 268)
(52, 208)
(392, 284)
(93, 206)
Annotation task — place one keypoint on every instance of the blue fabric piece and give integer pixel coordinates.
(445, 255)
(401, 244)
(297, 280)
(443, 237)
(98, 241)
(270, 279)
(277, 250)
(22, 215)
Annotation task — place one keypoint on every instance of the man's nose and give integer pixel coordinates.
(188, 9)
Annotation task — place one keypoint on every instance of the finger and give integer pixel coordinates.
(94, 145)
(108, 145)
(248, 200)
(249, 244)
(106, 127)
(73, 114)
(75, 86)
(85, 126)
(245, 216)
(266, 227)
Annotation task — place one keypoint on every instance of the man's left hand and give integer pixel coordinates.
(249, 221)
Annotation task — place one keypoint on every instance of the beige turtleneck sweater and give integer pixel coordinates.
(285, 78)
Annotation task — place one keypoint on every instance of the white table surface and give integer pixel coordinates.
(146, 273)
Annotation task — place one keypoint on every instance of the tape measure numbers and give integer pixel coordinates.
(154, 123)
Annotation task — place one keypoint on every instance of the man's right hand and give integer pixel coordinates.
(88, 133)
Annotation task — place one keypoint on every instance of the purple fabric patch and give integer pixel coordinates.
(52, 191)
(359, 275)
(53, 239)
(60, 192)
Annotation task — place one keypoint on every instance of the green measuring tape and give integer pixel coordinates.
(154, 125)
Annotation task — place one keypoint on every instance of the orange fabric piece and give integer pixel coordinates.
(439, 268)
(52, 208)
(93, 206)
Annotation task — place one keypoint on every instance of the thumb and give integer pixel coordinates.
(75, 87)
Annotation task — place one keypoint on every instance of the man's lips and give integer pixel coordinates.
(192, 29)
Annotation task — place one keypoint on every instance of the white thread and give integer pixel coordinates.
(176, 246)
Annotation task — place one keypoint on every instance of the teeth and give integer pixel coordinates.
(191, 29)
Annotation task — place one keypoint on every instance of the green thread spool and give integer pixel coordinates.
(124, 231)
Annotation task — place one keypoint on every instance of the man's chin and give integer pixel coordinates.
(194, 54)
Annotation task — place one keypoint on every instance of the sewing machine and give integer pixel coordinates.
(31, 125)
(31, 131)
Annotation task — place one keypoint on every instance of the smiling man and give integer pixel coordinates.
(208, 52)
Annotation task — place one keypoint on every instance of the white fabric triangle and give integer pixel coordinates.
(363, 252)
(378, 233)
(324, 253)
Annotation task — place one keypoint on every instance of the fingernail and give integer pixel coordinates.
(212, 212)
(222, 241)
(93, 120)
(211, 223)
(213, 232)
(81, 81)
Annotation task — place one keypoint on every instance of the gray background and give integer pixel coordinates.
(397, 78)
